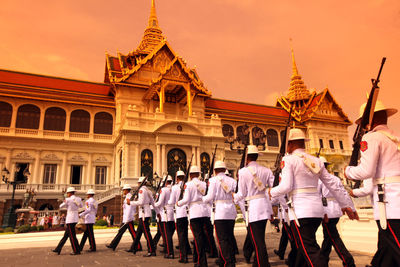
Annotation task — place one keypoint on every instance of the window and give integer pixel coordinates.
(331, 145)
(243, 133)
(227, 131)
(272, 138)
(5, 114)
(321, 143)
(20, 172)
(146, 162)
(103, 123)
(50, 172)
(54, 119)
(80, 121)
(101, 173)
(76, 173)
(258, 137)
(341, 144)
(28, 117)
(205, 163)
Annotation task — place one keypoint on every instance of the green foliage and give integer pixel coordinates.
(23, 229)
(40, 228)
(1, 230)
(101, 222)
(33, 228)
(9, 230)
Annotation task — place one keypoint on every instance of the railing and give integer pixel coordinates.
(55, 187)
(107, 195)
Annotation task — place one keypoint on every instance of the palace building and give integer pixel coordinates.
(152, 114)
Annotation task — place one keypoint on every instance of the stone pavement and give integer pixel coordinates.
(42, 256)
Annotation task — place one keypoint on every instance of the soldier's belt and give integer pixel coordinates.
(255, 197)
(331, 199)
(195, 202)
(304, 190)
(223, 201)
(387, 180)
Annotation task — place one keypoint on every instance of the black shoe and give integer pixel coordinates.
(183, 261)
(287, 262)
(129, 250)
(153, 254)
(74, 253)
(139, 249)
(248, 260)
(91, 250)
(109, 246)
(189, 252)
(56, 251)
(196, 265)
(281, 257)
(170, 256)
(176, 247)
(213, 256)
(368, 265)
(162, 245)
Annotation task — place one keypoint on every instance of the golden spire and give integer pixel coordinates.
(298, 91)
(153, 34)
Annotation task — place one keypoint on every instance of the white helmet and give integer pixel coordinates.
(251, 149)
(180, 173)
(297, 134)
(194, 169)
(323, 159)
(71, 189)
(169, 178)
(219, 165)
(126, 187)
(141, 179)
(90, 192)
(379, 106)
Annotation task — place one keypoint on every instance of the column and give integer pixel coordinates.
(63, 175)
(189, 101)
(162, 96)
(36, 171)
(91, 130)
(89, 177)
(7, 163)
(158, 160)
(198, 156)
(136, 162)
(194, 155)
(163, 160)
(110, 179)
(13, 121)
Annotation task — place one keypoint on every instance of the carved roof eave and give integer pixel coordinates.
(335, 103)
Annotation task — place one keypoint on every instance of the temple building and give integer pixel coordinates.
(152, 114)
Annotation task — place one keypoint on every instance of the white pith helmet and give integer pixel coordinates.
(90, 192)
(219, 164)
(169, 178)
(127, 187)
(141, 179)
(180, 173)
(297, 134)
(194, 169)
(323, 159)
(252, 149)
(71, 190)
(379, 106)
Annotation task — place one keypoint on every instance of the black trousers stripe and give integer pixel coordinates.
(88, 234)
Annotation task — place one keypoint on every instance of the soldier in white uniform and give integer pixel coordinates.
(220, 193)
(145, 199)
(128, 216)
(167, 217)
(194, 191)
(254, 179)
(380, 160)
(333, 212)
(72, 203)
(90, 218)
(181, 220)
(299, 180)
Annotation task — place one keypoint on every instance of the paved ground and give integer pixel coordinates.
(39, 254)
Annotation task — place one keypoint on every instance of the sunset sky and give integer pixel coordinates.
(240, 48)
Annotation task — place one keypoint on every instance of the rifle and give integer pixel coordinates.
(211, 169)
(134, 195)
(242, 165)
(161, 185)
(282, 150)
(186, 178)
(318, 153)
(366, 121)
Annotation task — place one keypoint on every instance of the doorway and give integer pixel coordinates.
(176, 160)
(76, 174)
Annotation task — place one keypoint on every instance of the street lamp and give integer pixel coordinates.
(10, 217)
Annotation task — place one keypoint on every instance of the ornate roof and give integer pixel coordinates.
(298, 90)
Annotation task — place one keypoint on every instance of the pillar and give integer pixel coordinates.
(125, 171)
(89, 174)
(36, 171)
(91, 129)
(136, 161)
(161, 96)
(63, 175)
(163, 160)
(189, 101)
(158, 160)
(194, 155)
(198, 156)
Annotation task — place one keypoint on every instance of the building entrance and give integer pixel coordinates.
(176, 160)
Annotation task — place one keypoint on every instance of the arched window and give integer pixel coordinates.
(5, 114)
(205, 163)
(146, 162)
(258, 137)
(227, 131)
(103, 123)
(54, 119)
(28, 117)
(176, 160)
(80, 121)
(243, 133)
(272, 138)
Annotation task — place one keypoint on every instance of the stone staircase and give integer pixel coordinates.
(107, 195)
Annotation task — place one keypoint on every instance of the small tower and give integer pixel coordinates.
(298, 92)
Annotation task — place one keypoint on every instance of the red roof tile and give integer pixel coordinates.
(36, 80)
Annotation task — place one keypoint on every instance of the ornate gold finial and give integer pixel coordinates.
(153, 21)
(294, 67)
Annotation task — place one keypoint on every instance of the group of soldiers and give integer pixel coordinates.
(307, 196)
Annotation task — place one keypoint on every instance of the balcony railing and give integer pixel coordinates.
(55, 187)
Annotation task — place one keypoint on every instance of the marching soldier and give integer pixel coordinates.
(144, 201)
(72, 203)
(180, 218)
(380, 160)
(195, 189)
(167, 218)
(128, 215)
(90, 218)
(299, 180)
(253, 182)
(219, 193)
(333, 212)
(211, 246)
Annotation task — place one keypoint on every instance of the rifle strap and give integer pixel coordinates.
(259, 185)
(310, 163)
(224, 186)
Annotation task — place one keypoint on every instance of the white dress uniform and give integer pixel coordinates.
(180, 211)
(90, 218)
(145, 200)
(380, 160)
(220, 191)
(332, 209)
(72, 203)
(259, 207)
(366, 190)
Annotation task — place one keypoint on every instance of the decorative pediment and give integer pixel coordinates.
(23, 156)
(101, 159)
(51, 157)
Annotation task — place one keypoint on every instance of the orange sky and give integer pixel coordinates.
(240, 47)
